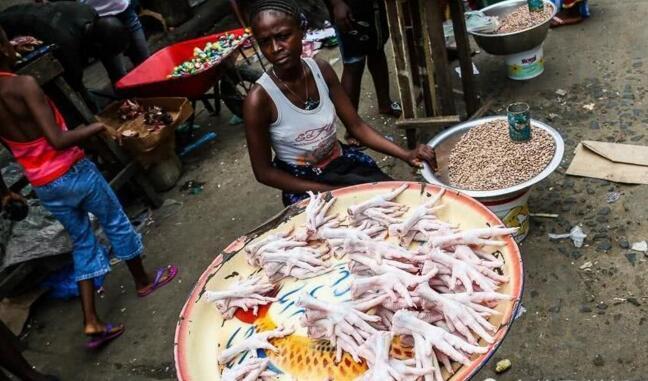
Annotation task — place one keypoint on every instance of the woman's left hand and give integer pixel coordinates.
(422, 153)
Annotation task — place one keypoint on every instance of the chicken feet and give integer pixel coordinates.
(248, 294)
(346, 325)
(252, 369)
(256, 341)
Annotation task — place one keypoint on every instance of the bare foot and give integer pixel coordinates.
(101, 334)
(566, 17)
(100, 328)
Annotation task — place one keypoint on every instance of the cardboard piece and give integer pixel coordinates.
(621, 163)
(179, 108)
(15, 312)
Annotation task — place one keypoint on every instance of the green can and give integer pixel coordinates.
(536, 5)
(519, 120)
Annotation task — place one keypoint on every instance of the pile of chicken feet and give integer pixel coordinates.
(413, 276)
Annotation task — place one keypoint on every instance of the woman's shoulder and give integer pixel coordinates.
(325, 68)
(257, 96)
(258, 105)
(322, 64)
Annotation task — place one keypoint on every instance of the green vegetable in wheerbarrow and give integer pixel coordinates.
(208, 56)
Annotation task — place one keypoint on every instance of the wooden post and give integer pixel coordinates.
(403, 67)
(437, 49)
(419, 47)
(463, 49)
(432, 122)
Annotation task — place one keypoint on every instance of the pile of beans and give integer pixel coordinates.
(486, 158)
(521, 18)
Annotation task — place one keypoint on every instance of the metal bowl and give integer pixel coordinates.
(446, 140)
(514, 42)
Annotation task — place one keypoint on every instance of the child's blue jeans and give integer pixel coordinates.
(70, 198)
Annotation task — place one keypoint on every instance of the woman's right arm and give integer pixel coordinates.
(257, 116)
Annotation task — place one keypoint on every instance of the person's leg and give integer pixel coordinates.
(91, 322)
(352, 79)
(114, 67)
(138, 50)
(139, 274)
(12, 360)
(377, 60)
(377, 64)
(63, 198)
(90, 261)
(126, 242)
(352, 84)
(569, 13)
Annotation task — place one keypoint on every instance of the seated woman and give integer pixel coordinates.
(570, 12)
(292, 110)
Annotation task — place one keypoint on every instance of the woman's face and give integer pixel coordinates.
(279, 37)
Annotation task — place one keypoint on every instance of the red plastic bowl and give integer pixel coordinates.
(150, 78)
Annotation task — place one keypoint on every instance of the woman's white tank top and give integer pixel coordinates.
(298, 136)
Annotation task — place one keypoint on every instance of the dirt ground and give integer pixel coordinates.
(579, 324)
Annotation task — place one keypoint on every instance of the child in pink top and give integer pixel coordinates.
(69, 186)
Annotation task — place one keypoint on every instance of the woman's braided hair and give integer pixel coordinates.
(288, 7)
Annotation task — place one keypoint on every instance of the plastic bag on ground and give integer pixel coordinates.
(576, 234)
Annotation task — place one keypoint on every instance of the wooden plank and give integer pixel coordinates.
(433, 16)
(463, 49)
(403, 68)
(483, 109)
(414, 38)
(430, 122)
(44, 69)
(430, 89)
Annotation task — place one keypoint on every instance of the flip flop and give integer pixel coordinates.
(395, 110)
(170, 270)
(100, 339)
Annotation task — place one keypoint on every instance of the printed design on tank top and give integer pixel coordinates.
(326, 141)
(303, 137)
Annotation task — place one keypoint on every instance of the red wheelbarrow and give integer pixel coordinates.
(151, 77)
